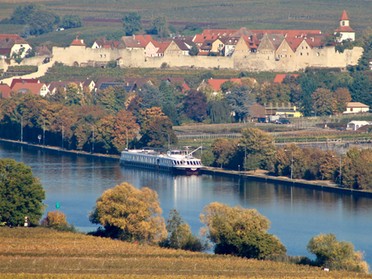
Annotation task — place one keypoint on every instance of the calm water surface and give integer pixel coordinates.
(296, 214)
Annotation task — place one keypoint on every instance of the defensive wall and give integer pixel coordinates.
(325, 57)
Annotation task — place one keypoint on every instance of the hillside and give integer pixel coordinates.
(104, 18)
(38, 252)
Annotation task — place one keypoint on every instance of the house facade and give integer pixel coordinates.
(356, 107)
(13, 44)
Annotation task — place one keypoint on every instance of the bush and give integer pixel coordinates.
(335, 254)
(179, 235)
(57, 220)
(241, 232)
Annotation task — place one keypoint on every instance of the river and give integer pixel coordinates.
(296, 214)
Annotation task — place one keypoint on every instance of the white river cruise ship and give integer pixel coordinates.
(177, 161)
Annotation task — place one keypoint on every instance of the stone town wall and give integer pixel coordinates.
(325, 57)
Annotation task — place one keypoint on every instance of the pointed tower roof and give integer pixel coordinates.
(344, 15)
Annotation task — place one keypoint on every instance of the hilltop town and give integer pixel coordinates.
(242, 49)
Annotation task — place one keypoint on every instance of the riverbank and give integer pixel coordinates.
(62, 150)
(258, 175)
(263, 176)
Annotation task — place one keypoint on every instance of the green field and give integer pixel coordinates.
(45, 253)
(269, 14)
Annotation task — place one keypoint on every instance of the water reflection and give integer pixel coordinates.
(296, 214)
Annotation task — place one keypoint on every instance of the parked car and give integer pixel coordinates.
(282, 121)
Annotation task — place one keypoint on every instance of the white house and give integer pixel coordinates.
(356, 107)
(13, 44)
(355, 125)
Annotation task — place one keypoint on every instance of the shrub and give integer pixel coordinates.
(57, 220)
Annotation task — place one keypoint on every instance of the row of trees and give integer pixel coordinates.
(71, 120)
(132, 24)
(134, 215)
(256, 150)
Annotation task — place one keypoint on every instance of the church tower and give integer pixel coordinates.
(344, 30)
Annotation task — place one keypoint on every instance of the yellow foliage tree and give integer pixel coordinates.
(130, 214)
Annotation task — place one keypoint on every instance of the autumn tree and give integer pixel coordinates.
(356, 169)
(258, 145)
(130, 214)
(179, 234)
(342, 97)
(273, 93)
(324, 102)
(305, 163)
(115, 132)
(21, 194)
(334, 254)
(156, 128)
(241, 232)
(225, 153)
(57, 220)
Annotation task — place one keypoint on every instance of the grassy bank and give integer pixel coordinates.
(44, 253)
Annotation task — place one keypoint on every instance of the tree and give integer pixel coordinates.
(160, 27)
(357, 169)
(130, 214)
(224, 153)
(71, 21)
(334, 254)
(361, 88)
(259, 145)
(241, 232)
(194, 51)
(21, 194)
(156, 129)
(195, 105)
(132, 23)
(239, 100)
(114, 132)
(179, 234)
(342, 96)
(38, 19)
(218, 111)
(324, 102)
(57, 220)
(273, 93)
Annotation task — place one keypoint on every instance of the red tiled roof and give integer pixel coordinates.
(279, 78)
(5, 90)
(33, 88)
(162, 46)
(344, 29)
(14, 37)
(23, 81)
(216, 83)
(78, 42)
(344, 15)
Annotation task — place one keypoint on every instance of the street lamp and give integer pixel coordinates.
(44, 132)
(291, 162)
(340, 169)
(92, 151)
(62, 137)
(21, 128)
